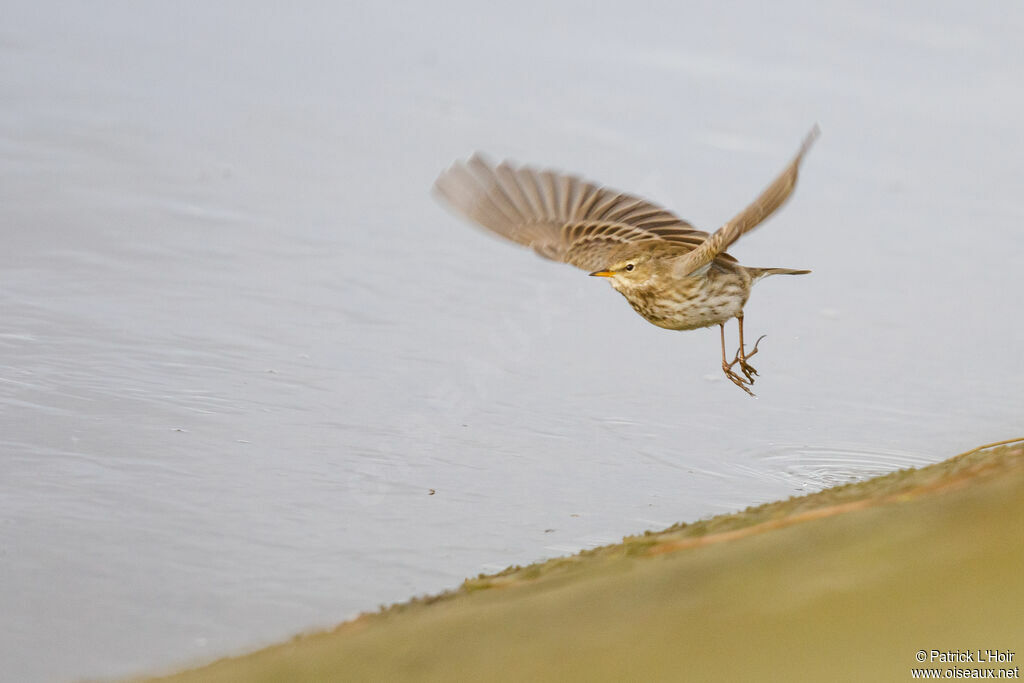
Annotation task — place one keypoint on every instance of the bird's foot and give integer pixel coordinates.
(748, 370)
(742, 382)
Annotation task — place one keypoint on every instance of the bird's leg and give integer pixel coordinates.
(727, 366)
(742, 356)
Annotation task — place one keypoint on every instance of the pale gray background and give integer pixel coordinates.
(239, 341)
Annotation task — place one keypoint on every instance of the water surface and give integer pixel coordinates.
(240, 345)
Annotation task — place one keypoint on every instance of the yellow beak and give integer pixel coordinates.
(602, 273)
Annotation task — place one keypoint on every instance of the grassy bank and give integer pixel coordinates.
(846, 584)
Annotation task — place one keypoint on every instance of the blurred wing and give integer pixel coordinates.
(774, 196)
(561, 217)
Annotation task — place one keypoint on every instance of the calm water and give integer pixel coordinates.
(240, 343)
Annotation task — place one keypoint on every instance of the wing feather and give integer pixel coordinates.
(561, 217)
(767, 203)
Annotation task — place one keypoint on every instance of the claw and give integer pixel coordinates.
(737, 380)
(748, 370)
(755, 345)
(746, 367)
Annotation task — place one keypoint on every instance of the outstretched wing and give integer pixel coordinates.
(774, 196)
(561, 217)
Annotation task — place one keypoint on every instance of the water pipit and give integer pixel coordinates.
(675, 276)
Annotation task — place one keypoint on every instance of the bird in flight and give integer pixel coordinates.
(675, 276)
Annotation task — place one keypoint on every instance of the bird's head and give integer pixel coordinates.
(630, 271)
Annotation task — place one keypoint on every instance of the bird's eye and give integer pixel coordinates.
(629, 266)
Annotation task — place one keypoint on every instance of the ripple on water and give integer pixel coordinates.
(810, 468)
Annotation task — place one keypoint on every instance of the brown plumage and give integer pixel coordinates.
(674, 275)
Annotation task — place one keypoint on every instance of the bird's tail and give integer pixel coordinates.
(758, 273)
